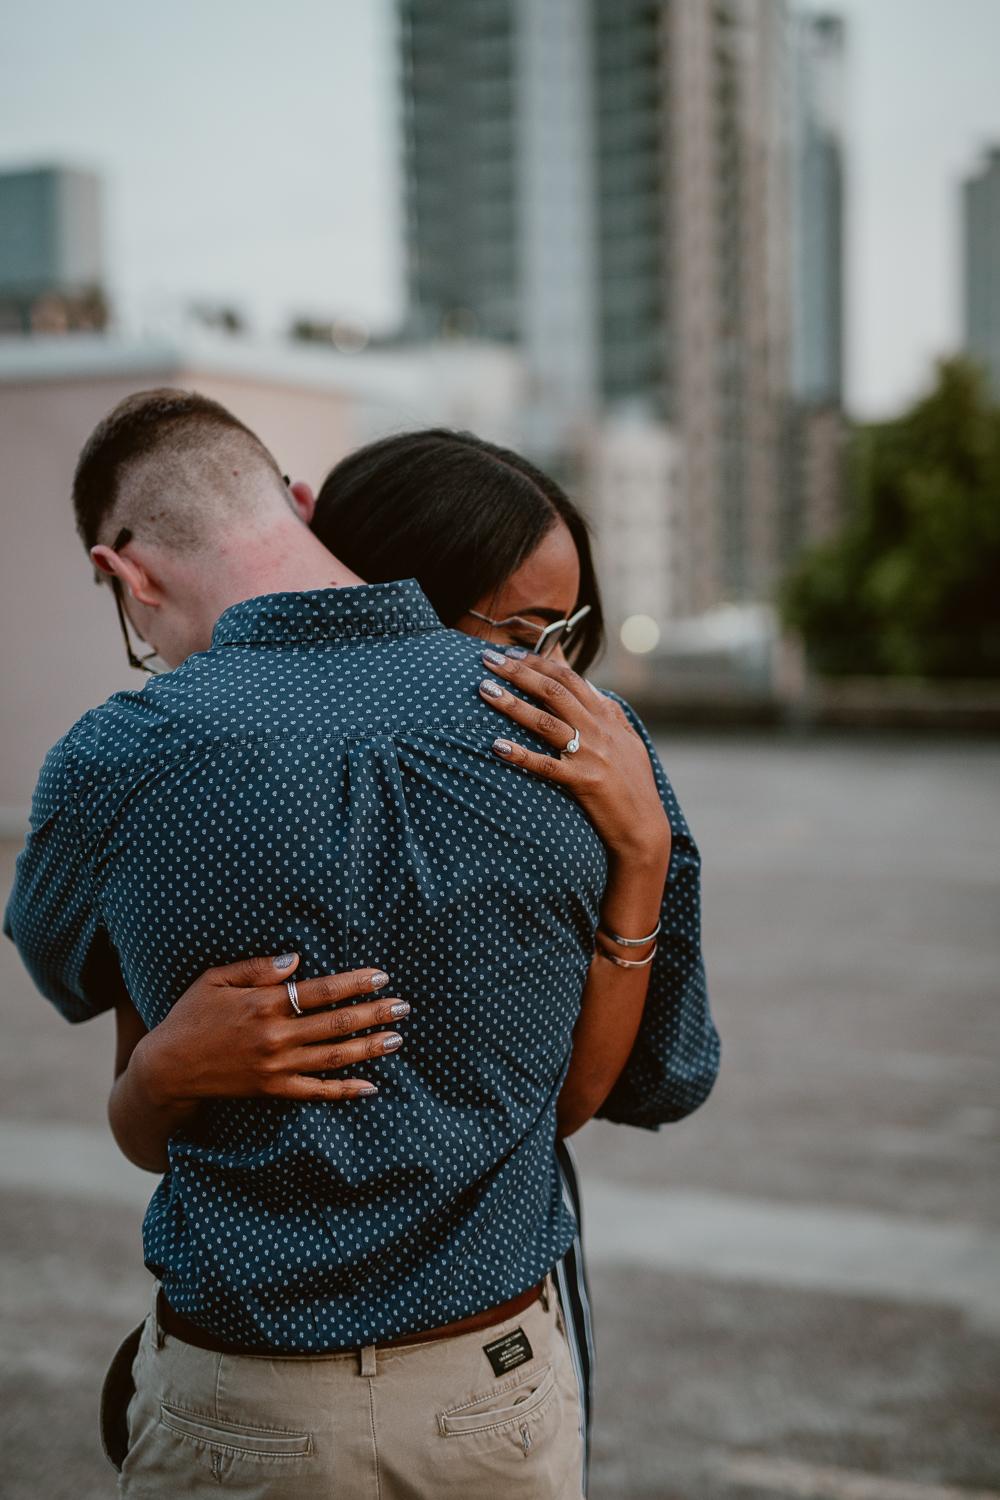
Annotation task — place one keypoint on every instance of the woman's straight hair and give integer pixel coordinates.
(458, 514)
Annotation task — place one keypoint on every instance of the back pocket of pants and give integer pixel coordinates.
(235, 1439)
(510, 1407)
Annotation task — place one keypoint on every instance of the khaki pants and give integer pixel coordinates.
(430, 1420)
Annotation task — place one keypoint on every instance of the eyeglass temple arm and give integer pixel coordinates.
(139, 663)
(133, 660)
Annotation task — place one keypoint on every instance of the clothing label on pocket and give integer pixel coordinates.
(509, 1352)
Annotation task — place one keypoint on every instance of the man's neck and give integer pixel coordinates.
(279, 555)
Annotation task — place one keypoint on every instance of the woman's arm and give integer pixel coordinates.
(141, 1126)
(611, 776)
(234, 1035)
(611, 1006)
(675, 1061)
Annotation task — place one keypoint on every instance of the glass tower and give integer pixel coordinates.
(603, 182)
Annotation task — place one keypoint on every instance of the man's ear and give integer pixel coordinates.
(136, 578)
(303, 499)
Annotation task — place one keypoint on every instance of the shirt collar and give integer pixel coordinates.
(325, 614)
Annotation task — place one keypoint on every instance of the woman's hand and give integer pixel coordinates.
(610, 775)
(234, 1035)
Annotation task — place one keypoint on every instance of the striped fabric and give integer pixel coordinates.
(574, 1297)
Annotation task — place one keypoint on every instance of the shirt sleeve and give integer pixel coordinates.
(675, 1058)
(52, 915)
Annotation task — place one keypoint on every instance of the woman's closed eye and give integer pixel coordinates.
(524, 635)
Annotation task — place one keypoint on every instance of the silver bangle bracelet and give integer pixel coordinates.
(627, 963)
(630, 942)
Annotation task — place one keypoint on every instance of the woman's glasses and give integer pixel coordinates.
(541, 639)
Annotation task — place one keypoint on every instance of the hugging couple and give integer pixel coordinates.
(389, 901)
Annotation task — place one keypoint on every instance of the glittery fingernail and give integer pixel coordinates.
(491, 690)
(401, 1008)
(502, 747)
(494, 658)
(516, 653)
(285, 961)
(366, 1093)
(391, 1043)
(378, 980)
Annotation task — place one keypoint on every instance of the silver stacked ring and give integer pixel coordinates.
(293, 995)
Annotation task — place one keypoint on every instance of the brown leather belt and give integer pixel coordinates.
(179, 1327)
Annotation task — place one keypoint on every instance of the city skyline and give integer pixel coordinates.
(244, 133)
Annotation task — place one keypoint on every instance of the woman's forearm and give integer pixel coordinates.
(610, 1013)
(141, 1123)
(613, 997)
(633, 893)
(141, 1119)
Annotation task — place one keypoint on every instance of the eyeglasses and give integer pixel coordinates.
(140, 663)
(546, 638)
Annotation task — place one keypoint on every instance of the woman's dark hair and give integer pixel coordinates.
(456, 513)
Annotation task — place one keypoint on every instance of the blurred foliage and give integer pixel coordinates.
(911, 585)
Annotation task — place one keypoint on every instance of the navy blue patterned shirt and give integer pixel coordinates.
(321, 780)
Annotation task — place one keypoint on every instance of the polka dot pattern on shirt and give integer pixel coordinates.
(322, 781)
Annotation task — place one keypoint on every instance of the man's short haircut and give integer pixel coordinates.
(163, 463)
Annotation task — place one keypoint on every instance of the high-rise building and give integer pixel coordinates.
(50, 253)
(982, 267)
(815, 431)
(605, 183)
(817, 67)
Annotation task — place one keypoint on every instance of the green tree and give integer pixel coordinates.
(911, 585)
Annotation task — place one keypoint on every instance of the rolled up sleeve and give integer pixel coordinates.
(52, 916)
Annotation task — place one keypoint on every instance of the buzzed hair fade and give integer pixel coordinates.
(163, 464)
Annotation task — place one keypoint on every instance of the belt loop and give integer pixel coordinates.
(154, 1314)
(368, 1367)
(544, 1295)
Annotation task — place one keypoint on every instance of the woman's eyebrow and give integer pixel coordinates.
(543, 612)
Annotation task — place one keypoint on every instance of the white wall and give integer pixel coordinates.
(62, 649)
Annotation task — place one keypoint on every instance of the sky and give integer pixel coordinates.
(250, 155)
(248, 148)
(923, 100)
